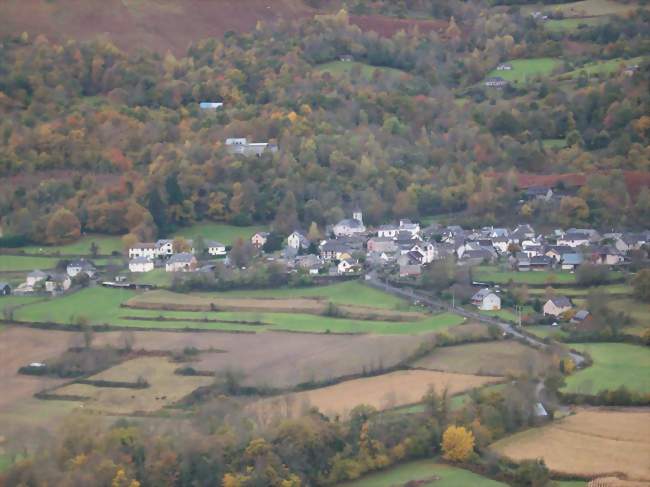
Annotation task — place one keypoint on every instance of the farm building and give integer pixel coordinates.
(495, 82)
(76, 267)
(557, 305)
(504, 67)
(486, 300)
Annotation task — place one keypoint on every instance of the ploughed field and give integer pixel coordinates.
(593, 442)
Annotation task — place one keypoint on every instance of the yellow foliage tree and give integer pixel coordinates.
(457, 444)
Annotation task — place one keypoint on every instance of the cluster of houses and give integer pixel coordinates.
(54, 283)
(145, 256)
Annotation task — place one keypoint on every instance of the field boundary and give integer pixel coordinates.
(105, 327)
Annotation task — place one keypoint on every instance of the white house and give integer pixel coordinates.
(142, 249)
(259, 239)
(215, 248)
(297, 241)
(574, 240)
(141, 264)
(165, 247)
(210, 105)
(58, 283)
(350, 226)
(182, 262)
(76, 267)
(387, 231)
(347, 266)
(557, 305)
(486, 300)
(35, 277)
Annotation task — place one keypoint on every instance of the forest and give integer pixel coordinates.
(97, 140)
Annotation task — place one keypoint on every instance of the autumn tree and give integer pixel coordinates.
(457, 444)
(63, 227)
(641, 285)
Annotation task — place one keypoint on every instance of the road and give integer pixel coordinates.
(435, 304)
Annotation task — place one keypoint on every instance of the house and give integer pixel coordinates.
(501, 244)
(630, 241)
(34, 277)
(504, 67)
(311, 263)
(210, 106)
(76, 267)
(347, 266)
(240, 145)
(542, 193)
(607, 255)
(410, 270)
(350, 226)
(297, 241)
(182, 262)
(574, 239)
(540, 263)
(334, 250)
(382, 244)
(346, 58)
(166, 247)
(570, 262)
(57, 283)
(556, 252)
(557, 305)
(479, 256)
(496, 82)
(582, 316)
(141, 264)
(387, 231)
(486, 300)
(259, 239)
(523, 263)
(5, 289)
(406, 225)
(521, 233)
(142, 249)
(215, 248)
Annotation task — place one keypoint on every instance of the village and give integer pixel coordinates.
(402, 253)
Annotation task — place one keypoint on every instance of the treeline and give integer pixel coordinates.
(226, 446)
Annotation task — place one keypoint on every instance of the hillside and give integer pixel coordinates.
(132, 24)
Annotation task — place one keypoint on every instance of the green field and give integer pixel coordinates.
(572, 24)
(107, 245)
(554, 143)
(527, 68)
(546, 331)
(440, 475)
(598, 68)
(349, 292)
(156, 277)
(339, 68)
(15, 301)
(615, 365)
(611, 289)
(493, 274)
(106, 308)
(226, 234)
(10, 263)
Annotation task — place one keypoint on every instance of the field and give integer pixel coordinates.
(339, 68)
(544, 331)
(638, 311)
(349, 292)
(607, 67)
(590, 443)
(554, 143)
(571, 292)
(382, 392)
(423, 473)
(107, 244)
(156, 277)
(527, 68)
(165, 387)
(490, 358)
(571, 24)
(586, 8)
(226, 234)
(615, 365)
(12, 263)
(493, 274)
(106, 309)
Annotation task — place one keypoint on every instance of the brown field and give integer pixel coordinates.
(167, 300)
(133, 24)
(165, 387)
(21, 346)
(593, 442)
(491, 358)
(383, 392)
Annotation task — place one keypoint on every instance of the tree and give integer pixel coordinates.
(532, 473)
(457, 444)
(181, 244)
(592, 275)
(94, 249)
(286, 217)
(314, 234)
(199, 245)
(63, 227)
(641, 285)
(241, 253)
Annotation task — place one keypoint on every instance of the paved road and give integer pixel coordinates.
(436, 304)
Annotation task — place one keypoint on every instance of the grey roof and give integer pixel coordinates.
(561, 301)
(182, 258)
(141, 260)
(482, 294)
(572, 259)
(351, 223)
(581, 315)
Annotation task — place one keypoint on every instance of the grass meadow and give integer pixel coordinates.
(573, 24)
(585, 8)
(424, 473)
(107, 244)
(615, 365)
(226, 234)
(527, 68)
(493, 274)
(339, 68)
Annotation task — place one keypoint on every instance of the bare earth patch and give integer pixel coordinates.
(382, 392)
(593, 442)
